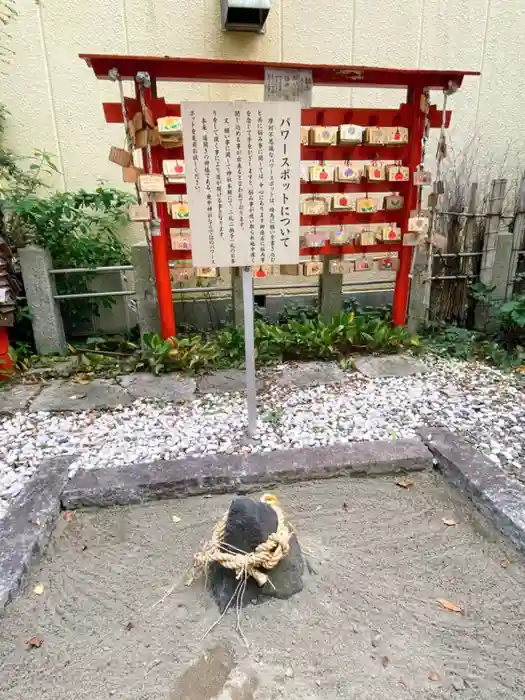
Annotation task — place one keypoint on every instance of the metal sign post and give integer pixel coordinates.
(249, 349)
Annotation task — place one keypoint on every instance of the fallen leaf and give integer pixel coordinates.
(450, 606)
(38, 589)
(434, 676)
(449, 522)
(130, 626)
(345, 506)
(35, 642)
(404, 483)
(68, 516)
(385, 661)
(176, 518)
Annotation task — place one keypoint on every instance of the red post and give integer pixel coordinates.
(6, 363)
(402, 289)
(159, 241)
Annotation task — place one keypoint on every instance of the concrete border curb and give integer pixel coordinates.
(29, 523)
(27, 527)
(138, 483)
(499, 497)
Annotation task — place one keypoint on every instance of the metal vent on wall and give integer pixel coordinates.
(244, 15)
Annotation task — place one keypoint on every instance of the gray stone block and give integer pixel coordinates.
(311, 374)
(138, 483)
(167, 387)
(71, 396)
(28, 524)
(40, 289)
(499, 497)
(223, 381)
(389, 366)
(145, 296)
(330, 290)
(16, 397)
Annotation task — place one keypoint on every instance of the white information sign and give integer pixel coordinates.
(243, 178)
(288, 86)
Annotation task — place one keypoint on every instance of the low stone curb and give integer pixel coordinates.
(499, 497)
(25, 530)
(138, 483)
(29, 523)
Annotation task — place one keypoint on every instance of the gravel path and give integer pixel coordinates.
(485, 405)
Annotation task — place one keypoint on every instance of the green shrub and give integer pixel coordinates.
(79, 229)
(191, 353)
(309, 339)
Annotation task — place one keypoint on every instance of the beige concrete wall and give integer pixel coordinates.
(55, 101)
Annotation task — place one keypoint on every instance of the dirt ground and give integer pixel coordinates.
(367, 626)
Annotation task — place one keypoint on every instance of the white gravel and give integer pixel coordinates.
(485, 405)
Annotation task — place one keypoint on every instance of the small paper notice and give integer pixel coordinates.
(288, 86)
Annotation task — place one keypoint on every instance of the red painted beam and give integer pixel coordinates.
(323, 187)
(328, 116)
(363, 186)
(185, 255)
(355, 152)
(351, 217)
(218, 70)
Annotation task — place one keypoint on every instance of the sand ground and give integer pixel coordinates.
(367, 626)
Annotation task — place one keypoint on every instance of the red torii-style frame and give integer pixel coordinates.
(227, 71)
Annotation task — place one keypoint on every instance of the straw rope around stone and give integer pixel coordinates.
(265, 556)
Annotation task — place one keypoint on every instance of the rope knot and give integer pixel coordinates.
(266, 555)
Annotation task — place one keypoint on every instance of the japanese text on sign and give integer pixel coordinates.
(288, 86)
(242, 174)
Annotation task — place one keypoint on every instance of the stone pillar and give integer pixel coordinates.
(417, 298)
(40, 289)
(497, 195)
(330, 290)
(490, 247)
(237, 298)
(501, 264)
(147, 307)
(518, 229)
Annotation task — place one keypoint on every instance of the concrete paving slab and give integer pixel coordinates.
(389, 366)
(16, 397)
(223, 381)
(117, 621)
(166, 387)
(310, 374)
(72, 396)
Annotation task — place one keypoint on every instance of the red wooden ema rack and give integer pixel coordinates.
(215, 70)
